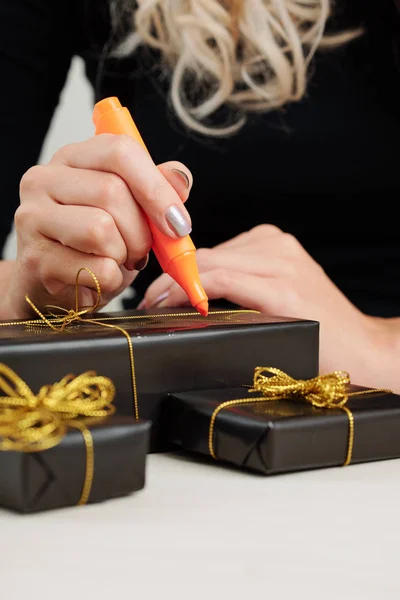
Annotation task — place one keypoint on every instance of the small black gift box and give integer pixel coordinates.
(269, 436)
(63, 446)
(54, 478)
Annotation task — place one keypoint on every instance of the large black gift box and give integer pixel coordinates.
(283, 435)
(54, 478)
(177, 351)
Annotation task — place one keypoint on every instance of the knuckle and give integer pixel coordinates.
(30, 261)
(265, 229)
(290, 243)
(61, 155)
(100, 230)
(32, 180)
(22, 217)
(109, 275)
(113, 189)
(121, 146)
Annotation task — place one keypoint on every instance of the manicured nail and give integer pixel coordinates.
(140, 265)
(183, 176)
(178, 221)
(160, 299)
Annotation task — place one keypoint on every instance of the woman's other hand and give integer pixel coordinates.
(268, 270)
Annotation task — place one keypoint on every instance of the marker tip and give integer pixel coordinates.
(202, 307)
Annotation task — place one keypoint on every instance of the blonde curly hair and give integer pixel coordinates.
(249, 55)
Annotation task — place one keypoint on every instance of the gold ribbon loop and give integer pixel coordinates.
(33, 423)
(324, 391)
(62, 317)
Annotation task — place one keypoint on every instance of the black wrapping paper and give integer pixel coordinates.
(54, 478)
(172, 353)
(282, 436)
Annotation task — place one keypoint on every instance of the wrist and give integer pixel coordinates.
(384, 353)
(6, 271)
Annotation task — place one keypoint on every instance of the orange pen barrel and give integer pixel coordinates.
(177, 257)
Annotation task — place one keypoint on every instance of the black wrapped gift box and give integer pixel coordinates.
(282, 436)
(174, 352)
(54, 478)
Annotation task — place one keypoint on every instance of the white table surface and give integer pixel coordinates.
(202, 531)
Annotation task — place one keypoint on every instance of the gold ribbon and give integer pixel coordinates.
(324, 391)
(33, 423)
(58, 319)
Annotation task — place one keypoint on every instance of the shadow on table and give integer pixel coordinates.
(200, 459)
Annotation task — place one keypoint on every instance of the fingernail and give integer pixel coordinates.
(183, 176)
(131, 265)
(142, 304)
(178, 221)
(140, 265)
(160, 299)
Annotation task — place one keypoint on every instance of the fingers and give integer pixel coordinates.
(117, 216)
(256, 235)
(94, 232)
(123, 156)
(248, 291)
(225, 258)
(56, 267)
(157, 291)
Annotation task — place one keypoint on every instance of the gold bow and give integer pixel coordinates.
(324, 391)
(33, 423)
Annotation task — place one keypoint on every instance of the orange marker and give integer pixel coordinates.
(176, 257)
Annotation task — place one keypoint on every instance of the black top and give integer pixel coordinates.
(324, 169)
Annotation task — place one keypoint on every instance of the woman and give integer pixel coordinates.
(283, 116)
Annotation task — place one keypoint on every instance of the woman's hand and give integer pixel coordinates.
(269, 271)
(84, 209)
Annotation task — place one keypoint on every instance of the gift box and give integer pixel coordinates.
(148, 355)
(55, 478)
(63, 446)
(259, 433)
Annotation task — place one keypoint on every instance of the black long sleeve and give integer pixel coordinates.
(38, 39)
